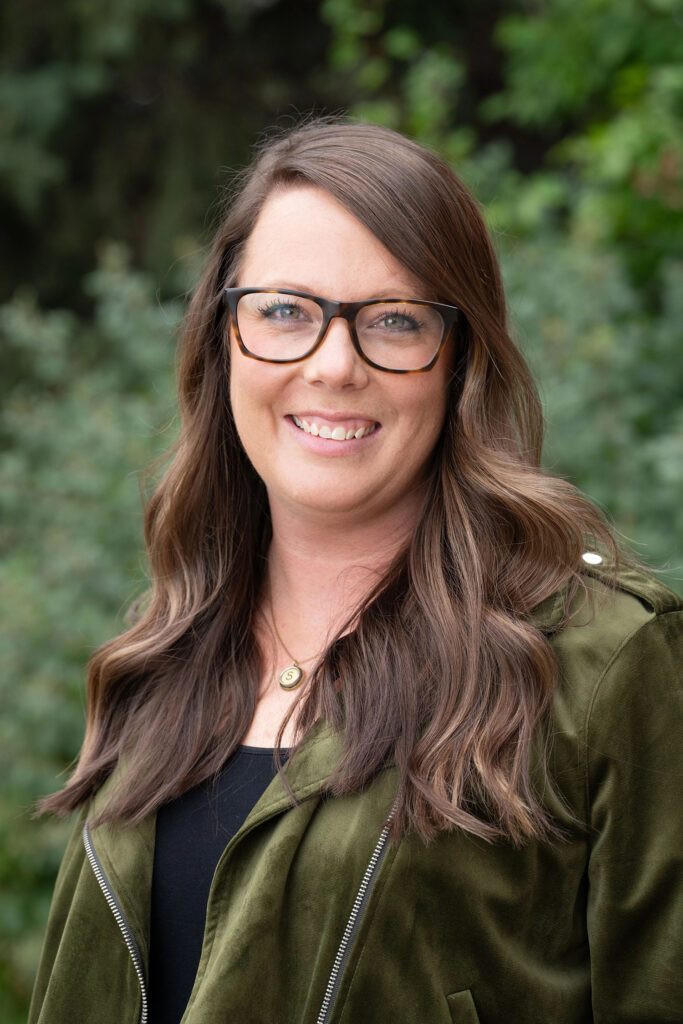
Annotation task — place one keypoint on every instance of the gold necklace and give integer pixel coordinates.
(290, 677)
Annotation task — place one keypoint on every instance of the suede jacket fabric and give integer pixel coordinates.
(315, 918)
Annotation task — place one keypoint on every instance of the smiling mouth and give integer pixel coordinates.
(341, 432)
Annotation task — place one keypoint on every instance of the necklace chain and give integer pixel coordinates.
(292, 675)
(298, 661)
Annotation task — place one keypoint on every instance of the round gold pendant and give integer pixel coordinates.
(290, 677)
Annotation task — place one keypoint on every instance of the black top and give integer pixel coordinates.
(191, 834)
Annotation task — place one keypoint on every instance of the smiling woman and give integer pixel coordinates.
(397, 733)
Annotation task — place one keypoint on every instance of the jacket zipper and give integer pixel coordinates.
(120, 918)
(353, 923)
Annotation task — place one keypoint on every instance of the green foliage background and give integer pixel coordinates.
(119, 122)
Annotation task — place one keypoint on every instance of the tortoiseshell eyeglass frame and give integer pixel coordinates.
(348, 311)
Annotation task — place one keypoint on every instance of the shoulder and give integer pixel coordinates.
(619, 650)
(617, 751)
(615, 621)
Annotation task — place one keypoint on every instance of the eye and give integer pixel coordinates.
(277, 309)
(395, 320)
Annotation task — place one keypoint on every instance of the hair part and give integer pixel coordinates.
(443, 670)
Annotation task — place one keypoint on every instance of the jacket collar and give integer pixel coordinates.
(126, 853)
(602, 583)
(549, 613)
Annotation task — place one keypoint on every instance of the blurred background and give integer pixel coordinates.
(120, 126)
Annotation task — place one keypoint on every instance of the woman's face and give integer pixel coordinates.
(305, 240)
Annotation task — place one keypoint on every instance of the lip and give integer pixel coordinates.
(332, 416)
(328, 447)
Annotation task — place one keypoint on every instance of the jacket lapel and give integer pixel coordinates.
(126, 853)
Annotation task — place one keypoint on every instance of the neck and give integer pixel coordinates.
(321, 567)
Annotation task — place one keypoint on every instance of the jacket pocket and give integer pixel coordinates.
(463, 1010)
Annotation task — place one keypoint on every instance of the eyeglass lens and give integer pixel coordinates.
(394, 335)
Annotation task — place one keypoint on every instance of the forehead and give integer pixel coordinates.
(305, 239)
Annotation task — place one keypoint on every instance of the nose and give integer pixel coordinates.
(335, 362)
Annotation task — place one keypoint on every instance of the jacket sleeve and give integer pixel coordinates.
(65, 886)
(634, 741)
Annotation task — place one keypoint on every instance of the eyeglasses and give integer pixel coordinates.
(285, 326)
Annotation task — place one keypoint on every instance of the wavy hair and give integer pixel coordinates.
(443, 669)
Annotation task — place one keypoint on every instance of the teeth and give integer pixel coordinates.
(337, 434)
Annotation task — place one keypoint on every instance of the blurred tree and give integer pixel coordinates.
(119, 117)
(612, 79)
(97, 407)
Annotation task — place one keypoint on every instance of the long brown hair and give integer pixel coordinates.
(444, 670)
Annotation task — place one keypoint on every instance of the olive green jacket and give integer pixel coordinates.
(314, 917)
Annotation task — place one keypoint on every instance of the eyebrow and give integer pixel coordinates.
(386, 293)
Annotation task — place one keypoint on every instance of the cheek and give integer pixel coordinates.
(235, 372)
(255, 397)
(249, 387)
(239, 399)
(246, 404)
(425, 412)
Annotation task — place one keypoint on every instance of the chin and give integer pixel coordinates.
(323, 498)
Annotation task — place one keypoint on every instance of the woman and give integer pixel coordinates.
(363, 579)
